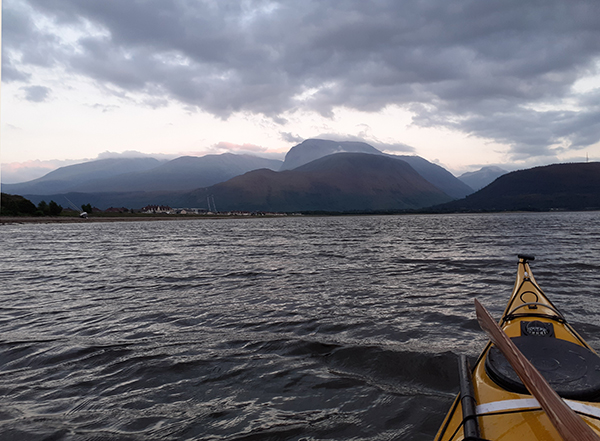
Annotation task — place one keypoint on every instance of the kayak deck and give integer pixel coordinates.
(505, 410)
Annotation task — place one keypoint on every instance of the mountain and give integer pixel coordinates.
(438, 176)
(553, 187)
(184, 173)
(142, 174)
(132, 175)
(336, 183)
(482, 177)
(312, 149)
(65, 179)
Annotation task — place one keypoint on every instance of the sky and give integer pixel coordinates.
(462, 83)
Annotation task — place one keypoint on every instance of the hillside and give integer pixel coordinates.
(313, 149)
(67, 178)
(336, 183)
(183, 173)
(142, 174)
(131, 182)
(363, 182)
(553, 187)
(482, 177)
(131, 200)
(438, 176)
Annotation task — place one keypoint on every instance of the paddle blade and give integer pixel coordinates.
(568, 424)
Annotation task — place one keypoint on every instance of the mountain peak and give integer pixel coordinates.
(312, 149)
(482, 177)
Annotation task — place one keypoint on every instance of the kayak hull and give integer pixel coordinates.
(504, 408)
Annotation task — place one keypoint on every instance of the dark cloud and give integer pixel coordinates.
(10, 73)
(290, 137)
(485, 68)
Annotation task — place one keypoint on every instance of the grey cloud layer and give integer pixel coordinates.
(480, 67)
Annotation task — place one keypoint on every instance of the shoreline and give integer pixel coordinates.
(9, 220)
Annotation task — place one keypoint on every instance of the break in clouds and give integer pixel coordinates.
(500, 70)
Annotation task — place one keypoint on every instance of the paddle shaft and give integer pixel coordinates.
(467, 400)
(569, 425)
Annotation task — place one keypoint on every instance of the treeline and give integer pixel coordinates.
(14, 205)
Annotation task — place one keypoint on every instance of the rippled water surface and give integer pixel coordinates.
(299, 328)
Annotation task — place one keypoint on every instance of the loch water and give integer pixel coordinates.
(291, 328)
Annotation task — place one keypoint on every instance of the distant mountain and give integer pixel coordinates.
(67, 178)
(313, 149)
(184, 173)
(482, 177)
(336, 183)
(142, 174)
(559, 186)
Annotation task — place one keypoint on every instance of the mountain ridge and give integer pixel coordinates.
(126, 175)
(312, 149)
(344, 182)
(184, 173)
(142, 174)
(569, 186)
(335, 183)
(574, 186)
(65, 178)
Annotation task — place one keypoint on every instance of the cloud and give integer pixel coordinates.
(135, 154)
(383, 146)
(231, 147)
(104, 108)
(10, 73)
(394, 147)
(36, 94)
(498, 70)
(239, 149)
(290, 137)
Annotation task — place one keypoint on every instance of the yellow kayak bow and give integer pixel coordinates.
(497, 406)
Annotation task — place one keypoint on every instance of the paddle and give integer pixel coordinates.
(568, 424)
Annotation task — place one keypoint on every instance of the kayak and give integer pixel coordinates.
(493, 404)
